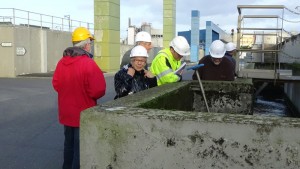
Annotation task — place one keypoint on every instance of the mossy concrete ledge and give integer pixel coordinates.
(128, 134)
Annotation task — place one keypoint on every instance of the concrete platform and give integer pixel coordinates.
(133, 133)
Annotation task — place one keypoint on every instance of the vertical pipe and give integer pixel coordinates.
(41, 17)
(28, 16)
(237, 66)
(195, 15)
(14, 16)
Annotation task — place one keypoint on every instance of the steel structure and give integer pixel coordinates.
(260, 52)
(14, 17)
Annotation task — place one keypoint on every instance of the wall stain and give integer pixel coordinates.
(171, 142)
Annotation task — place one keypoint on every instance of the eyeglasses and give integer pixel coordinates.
(140, 60)
(216, 59)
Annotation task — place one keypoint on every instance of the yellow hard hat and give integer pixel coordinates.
(80, 34)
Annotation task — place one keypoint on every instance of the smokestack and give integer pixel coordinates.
(129, 22)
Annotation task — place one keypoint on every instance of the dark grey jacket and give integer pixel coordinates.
(126, 84)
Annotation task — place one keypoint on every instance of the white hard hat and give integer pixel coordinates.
(180, 45)
(217, 49)
(230, 46)
(143, 37)
(138, 51)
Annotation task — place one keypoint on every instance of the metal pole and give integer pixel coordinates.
(14, 15)
(69, 23)
(201, 87)
(28, 18)
(195, 68)
(41, 16)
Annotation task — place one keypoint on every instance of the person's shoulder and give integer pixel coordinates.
(227, 61)
(86, 58)
(205, 58)
(119, 72)
(227, 58)
(124, 69)
(127, 52)
(164, 53)
(89, 62)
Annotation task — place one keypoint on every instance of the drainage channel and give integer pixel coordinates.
(271, 102)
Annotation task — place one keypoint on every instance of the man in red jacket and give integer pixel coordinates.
(79, 82)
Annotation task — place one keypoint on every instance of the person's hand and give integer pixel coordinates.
(131, 71)
(180, 72)
(148, 74)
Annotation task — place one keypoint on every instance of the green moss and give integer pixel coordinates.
(262, 128)
(113, 133)
(279, 142)
(180, 99)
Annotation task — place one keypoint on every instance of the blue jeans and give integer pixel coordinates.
(71, 148)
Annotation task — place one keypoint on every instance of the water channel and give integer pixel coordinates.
(271, 102)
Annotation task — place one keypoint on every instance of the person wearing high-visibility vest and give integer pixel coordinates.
(168, 60)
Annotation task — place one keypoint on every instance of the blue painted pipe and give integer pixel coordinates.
(195, 67)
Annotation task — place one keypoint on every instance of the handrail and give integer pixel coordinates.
(240, 7)
(19, 17)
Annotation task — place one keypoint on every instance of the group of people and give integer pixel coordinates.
(79, 81)
(135, 76)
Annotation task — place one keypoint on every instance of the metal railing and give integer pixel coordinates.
(263, 59)
(18, 17)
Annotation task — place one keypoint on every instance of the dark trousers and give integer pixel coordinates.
(71, 148)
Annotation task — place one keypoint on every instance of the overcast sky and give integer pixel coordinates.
(223, 13)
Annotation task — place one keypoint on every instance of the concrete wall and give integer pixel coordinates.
(30, 40)
(290, 51)
(7, 63)
(235, 98)
(122, 134)
(292, 90)
(57, 42)
(43, 48)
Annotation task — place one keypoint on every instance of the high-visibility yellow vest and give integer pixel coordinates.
(163, 71)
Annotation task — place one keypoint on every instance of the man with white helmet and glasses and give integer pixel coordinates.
(134, 77)
(143, 39)
(168, 60)
(216, 66)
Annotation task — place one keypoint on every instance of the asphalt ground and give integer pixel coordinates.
(31, 137)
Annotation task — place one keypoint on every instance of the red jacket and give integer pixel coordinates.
(79, 82)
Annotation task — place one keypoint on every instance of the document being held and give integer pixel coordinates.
(180, 68)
